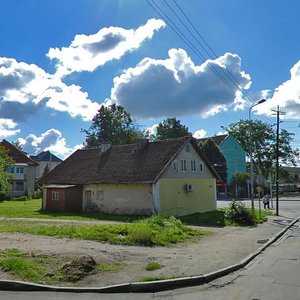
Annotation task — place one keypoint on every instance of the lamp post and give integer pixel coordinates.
(250, 152)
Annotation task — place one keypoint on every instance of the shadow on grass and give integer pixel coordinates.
(88, 216)
(211, 218)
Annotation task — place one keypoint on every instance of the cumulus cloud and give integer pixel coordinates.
(8, 128)
(199, 134)
(88, 52)
(26, 88)
(286, 95)
(51, 140)
(177, 87)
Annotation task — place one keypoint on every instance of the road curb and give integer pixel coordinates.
(146, 287)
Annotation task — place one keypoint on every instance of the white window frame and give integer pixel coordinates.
(193, 166)
(55, 196)
(183, 165)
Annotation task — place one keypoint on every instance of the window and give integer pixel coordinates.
(55, 196)
(19, 186)
(183, 165)
(174, 166)
(12, 170)
(193, 165)
(21, 170)
(201, 168)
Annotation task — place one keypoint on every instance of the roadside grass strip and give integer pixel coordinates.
(156, 230)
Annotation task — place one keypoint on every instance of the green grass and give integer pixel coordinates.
(156, 230)
(32, 209)
(218, 218)
(104, 267)
(26, 267)
(151, 266)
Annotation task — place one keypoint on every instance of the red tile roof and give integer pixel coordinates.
(17, 155)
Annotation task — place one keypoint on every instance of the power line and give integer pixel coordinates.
(223, 74)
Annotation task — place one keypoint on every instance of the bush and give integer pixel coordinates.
(238, 213)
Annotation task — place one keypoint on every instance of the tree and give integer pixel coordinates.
(17, 144)
(5, 162)
(215, 157)
(171, 128)
(262, 143)
(240, 181)
(113, 124)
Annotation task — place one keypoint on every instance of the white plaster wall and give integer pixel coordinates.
(189, 154)
(131, 199)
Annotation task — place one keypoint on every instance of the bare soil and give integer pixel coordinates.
(227, 246)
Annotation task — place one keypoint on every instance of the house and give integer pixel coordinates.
(23, 170)
(233, 152)
(169, 177)
(44, 159)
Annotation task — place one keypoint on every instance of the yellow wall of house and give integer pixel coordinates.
(129, 199)
(175, 200)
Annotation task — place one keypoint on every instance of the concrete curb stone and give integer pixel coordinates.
(144, 287)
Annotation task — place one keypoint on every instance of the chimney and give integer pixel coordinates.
(139, 144)
(105, 146)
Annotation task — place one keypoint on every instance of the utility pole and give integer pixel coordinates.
(278, 113)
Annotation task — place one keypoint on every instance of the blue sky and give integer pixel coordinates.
(60, 60)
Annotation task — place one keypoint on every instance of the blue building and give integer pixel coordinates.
(233, 152)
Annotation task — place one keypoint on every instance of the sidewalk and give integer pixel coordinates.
(225, 248)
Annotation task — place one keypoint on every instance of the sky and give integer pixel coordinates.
(204, 62)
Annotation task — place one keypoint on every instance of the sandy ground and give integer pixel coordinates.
(227, 246)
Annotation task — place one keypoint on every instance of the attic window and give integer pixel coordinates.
(183, 165)
(193, 165)
(174, 166)
(201, 167)
(55, 196)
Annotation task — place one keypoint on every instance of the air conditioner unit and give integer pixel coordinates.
(188, 187)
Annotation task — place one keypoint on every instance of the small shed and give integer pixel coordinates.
(66, 198)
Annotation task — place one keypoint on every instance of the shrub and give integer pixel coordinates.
(238, 213)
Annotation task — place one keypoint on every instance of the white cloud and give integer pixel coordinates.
(286, 95)
(88, 52)
(51, 140)
(199, 134)
(26, 88)
(8, 128)
(177, 87)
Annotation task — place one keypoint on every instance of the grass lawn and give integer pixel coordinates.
(32, 209)
(156, 230)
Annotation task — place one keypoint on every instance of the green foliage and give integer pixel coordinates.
(111, 124)
(18, 264)
(155, 230)
(5, 162)
(151, 266)
(260, 138)
(171, 128)
(215, 157)
(238, 213)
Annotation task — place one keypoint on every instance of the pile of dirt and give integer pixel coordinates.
(78, 268)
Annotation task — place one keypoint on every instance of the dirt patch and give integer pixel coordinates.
(227, 246)
(78, 268)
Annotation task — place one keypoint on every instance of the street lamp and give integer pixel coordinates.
(250, 151)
